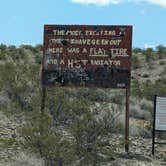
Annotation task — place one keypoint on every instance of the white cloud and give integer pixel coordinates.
(161, 3)
(97, 2)
(158, 2)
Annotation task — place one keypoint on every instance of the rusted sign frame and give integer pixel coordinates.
(113, 56)
(128, 42)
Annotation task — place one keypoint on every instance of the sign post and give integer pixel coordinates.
(88, 56)
(159, 118)
(127, 120)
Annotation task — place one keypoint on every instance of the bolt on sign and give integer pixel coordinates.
(87, 55)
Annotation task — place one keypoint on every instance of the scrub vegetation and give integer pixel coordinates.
(79, 125)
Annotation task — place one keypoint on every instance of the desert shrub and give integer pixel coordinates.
(30, 48)
(137, 89)
(3, 47)
(4, 99)
(134, 130)
(142, 112)
(136, 62)
(140, 131)
(111, 118)
(73, 128)
(145, 133)
(134, 112)
(162, 63)
(138, 113)
(58, 104)
(86, 119)
(3, 51)
(93, 95)
(25, 159)
(161, 135)
(163, 73)
(49, 144)
(151, 89)
(117, 97)
(151, 65)
(88, 133)
(149, 54)
(8, 142)
(38, 58)
(137, 50)
(84, 131)
(145, 75)
(161, 51)
(146, 105)
(20, 83)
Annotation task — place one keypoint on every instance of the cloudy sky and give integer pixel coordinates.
(22, 20)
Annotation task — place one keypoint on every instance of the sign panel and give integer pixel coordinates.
(87, 55)
(160, 118)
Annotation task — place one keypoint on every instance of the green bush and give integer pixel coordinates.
(76, 121)
(145, 75)
(25, 159)
(51, 146)
(162, 63)
(146, 105)
(141, 113)
(161, 50)
(136, 62)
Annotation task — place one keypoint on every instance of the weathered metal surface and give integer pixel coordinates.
(81, 55)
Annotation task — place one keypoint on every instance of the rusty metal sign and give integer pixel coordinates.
(87, 55)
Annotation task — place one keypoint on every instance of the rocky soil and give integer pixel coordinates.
(139, 152)
(11, 153)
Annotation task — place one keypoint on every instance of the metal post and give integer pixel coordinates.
(127, 120)
(43, 95)
(154, 121)
(43, 99)
(60, 162)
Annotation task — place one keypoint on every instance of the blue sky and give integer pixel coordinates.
(22, 20)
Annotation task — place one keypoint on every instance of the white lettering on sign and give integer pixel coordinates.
(97, 33)
(68, 32)
(84, 51)
(85, 46)
(86, 33)
(55, 62)
(73, 63)
(73, 50)
(114, 42)
(97, 51)
(56, 50)
(119, 52)
(102, 42)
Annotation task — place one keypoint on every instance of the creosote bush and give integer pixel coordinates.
(76, 121)
(51, 146)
